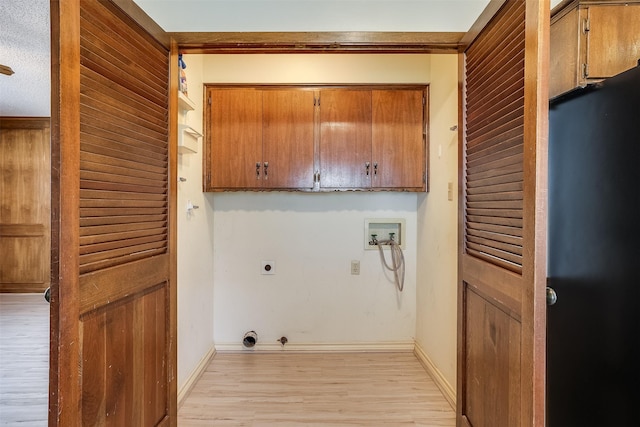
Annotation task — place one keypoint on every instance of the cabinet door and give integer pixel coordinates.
(565, 68)
(287, 126)
(398, 144)
(345, 138)
(613, 44)
(235, 138)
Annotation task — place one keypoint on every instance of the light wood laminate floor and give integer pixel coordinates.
(24, 360)
(330, 389)
(249, 389)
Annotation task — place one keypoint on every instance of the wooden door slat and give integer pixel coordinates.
(510, 195)
(498, 126)
(104, 133)
(115, 195)
(93, 221)
(132, 120)
(480, 52)
(510, 222)
(110, 212)
(509, 213)
(120, 127)
(120, 171)
(122, 203)
(500, 229)
(501, 103)
(91, 267)
(118, 253)
(495, 204)
(123, 235)
(492, 157)
(94, 82)
(122, 244)
(511, 173)
(95, 63)
(141, 47)
(96, 230)
(497, 253)
(507, 161)
(500, 146)
(497, 245)
(508, 70)
(95, 145)
(115, 130)
(483, 142)
(126, 188)
(111, 178)
(497, 237)
(112, 52)
(499, 188)
(128, 164)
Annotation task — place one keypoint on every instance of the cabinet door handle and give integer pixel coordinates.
(375, 169)
(257, 170)
(266, 170)
(367, 165)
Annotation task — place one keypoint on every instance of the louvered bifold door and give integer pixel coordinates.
(115, 242)
(502, 259)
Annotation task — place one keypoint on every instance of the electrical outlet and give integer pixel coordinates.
(355, 267)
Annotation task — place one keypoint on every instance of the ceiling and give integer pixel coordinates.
(314, 15)
(25, 38)
(24, 46)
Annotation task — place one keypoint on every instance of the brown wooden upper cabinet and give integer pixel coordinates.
(287, 139)
(592, 40)
(399, 138)
(316, 138)
(233, 153)
(345, 139)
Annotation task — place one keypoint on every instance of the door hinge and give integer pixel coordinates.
(585, 70)
(424, 177)
(209, 100)
(424, 100)
(586, 26)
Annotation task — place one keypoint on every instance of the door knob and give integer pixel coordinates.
(47, 295)
(552, 297)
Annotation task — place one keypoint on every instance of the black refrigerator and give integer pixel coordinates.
(593, 329)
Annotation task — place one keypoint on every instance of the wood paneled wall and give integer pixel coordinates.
(25, 204)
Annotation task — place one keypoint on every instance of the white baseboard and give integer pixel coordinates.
(195, 375)
(395, 346)
(447, 390)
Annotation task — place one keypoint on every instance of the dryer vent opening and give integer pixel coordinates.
(250, 339)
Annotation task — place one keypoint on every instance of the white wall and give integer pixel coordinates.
(437, 226)
(195, 246)
(312, 298)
